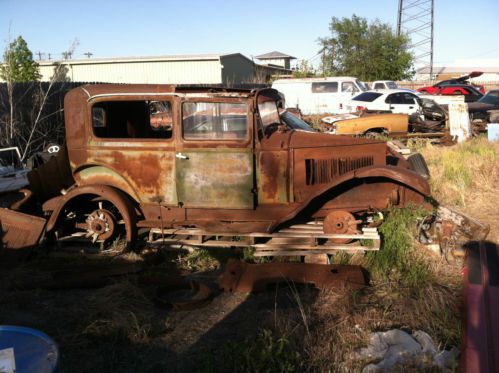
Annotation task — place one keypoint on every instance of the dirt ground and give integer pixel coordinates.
(119, 327)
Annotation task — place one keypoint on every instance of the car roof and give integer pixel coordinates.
(313, 80)
(388, 91)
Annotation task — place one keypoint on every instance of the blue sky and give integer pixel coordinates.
(148, 27)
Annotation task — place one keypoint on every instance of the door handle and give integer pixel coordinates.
(181, 156)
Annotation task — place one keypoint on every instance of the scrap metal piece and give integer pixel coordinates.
(465, 225)
(20, 230)
(243, 277)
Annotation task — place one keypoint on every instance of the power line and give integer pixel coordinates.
(416, 19)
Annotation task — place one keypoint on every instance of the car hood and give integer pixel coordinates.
(302, 139)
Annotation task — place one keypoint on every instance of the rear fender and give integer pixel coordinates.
(116, 197)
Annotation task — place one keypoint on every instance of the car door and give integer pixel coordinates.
(214, 157)
(325, 97)
(402, 103)
(348, 91)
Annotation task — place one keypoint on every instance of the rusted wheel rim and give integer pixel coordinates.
(340, 222)
(101, 225)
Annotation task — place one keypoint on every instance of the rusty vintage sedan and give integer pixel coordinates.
(212, 159)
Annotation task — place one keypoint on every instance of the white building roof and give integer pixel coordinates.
(181, 57)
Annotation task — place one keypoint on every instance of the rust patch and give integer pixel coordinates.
(272, 177)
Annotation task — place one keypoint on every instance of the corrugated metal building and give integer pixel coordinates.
(181, 69)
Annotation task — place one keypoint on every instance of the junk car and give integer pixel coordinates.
(218, 160)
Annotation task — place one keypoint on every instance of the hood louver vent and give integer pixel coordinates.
(323, 171)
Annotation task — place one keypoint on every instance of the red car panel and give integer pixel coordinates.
(480, 351)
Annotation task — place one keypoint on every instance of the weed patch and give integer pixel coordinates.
(265, 353)
(397, 258)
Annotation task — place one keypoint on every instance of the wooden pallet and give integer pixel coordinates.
(297, 240)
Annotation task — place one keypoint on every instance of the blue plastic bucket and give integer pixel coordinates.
(493, 131)
(32, 350)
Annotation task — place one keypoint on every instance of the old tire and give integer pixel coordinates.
(418, 164)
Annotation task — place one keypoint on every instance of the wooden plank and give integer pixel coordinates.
(305, 252)
(366, 235)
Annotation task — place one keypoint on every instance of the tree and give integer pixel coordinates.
(368, 51)
(304, 70)
(18, 65)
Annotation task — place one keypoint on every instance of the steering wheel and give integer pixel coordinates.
(53, 149)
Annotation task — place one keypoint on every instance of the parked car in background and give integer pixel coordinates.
(458, 86)
(385, 84)
(319, 95)
(12, 170)
(481, 109)
(368, 125)
(386, 100)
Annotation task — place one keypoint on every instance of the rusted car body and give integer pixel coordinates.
(160, 156)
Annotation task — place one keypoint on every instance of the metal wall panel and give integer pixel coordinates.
(157, 72)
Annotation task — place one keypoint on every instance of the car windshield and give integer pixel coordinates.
(391, 85)
(361, 85)
(295, 123)
(367, 96)
(491, 98)
(268, 113)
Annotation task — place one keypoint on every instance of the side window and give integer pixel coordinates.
(325, 87)
(214, 121)
(395, 98)
(378, 86)
(408, 99)
(349, 87)
(132, 119)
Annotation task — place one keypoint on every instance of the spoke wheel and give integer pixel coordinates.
(101, 224)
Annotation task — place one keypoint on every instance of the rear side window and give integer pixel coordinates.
(214, 121)
(325, 87)
(379, 86)
(400, 98)
(367, 96)
(132, 119)
(391, 85)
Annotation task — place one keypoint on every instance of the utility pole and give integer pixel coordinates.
(416, 19)
(39, 55)
(88, 54)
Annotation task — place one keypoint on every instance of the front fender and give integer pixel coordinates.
(403, 175)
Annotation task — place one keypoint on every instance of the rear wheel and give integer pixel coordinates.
(96, 220)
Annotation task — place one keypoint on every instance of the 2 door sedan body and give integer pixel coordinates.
(394, 101)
